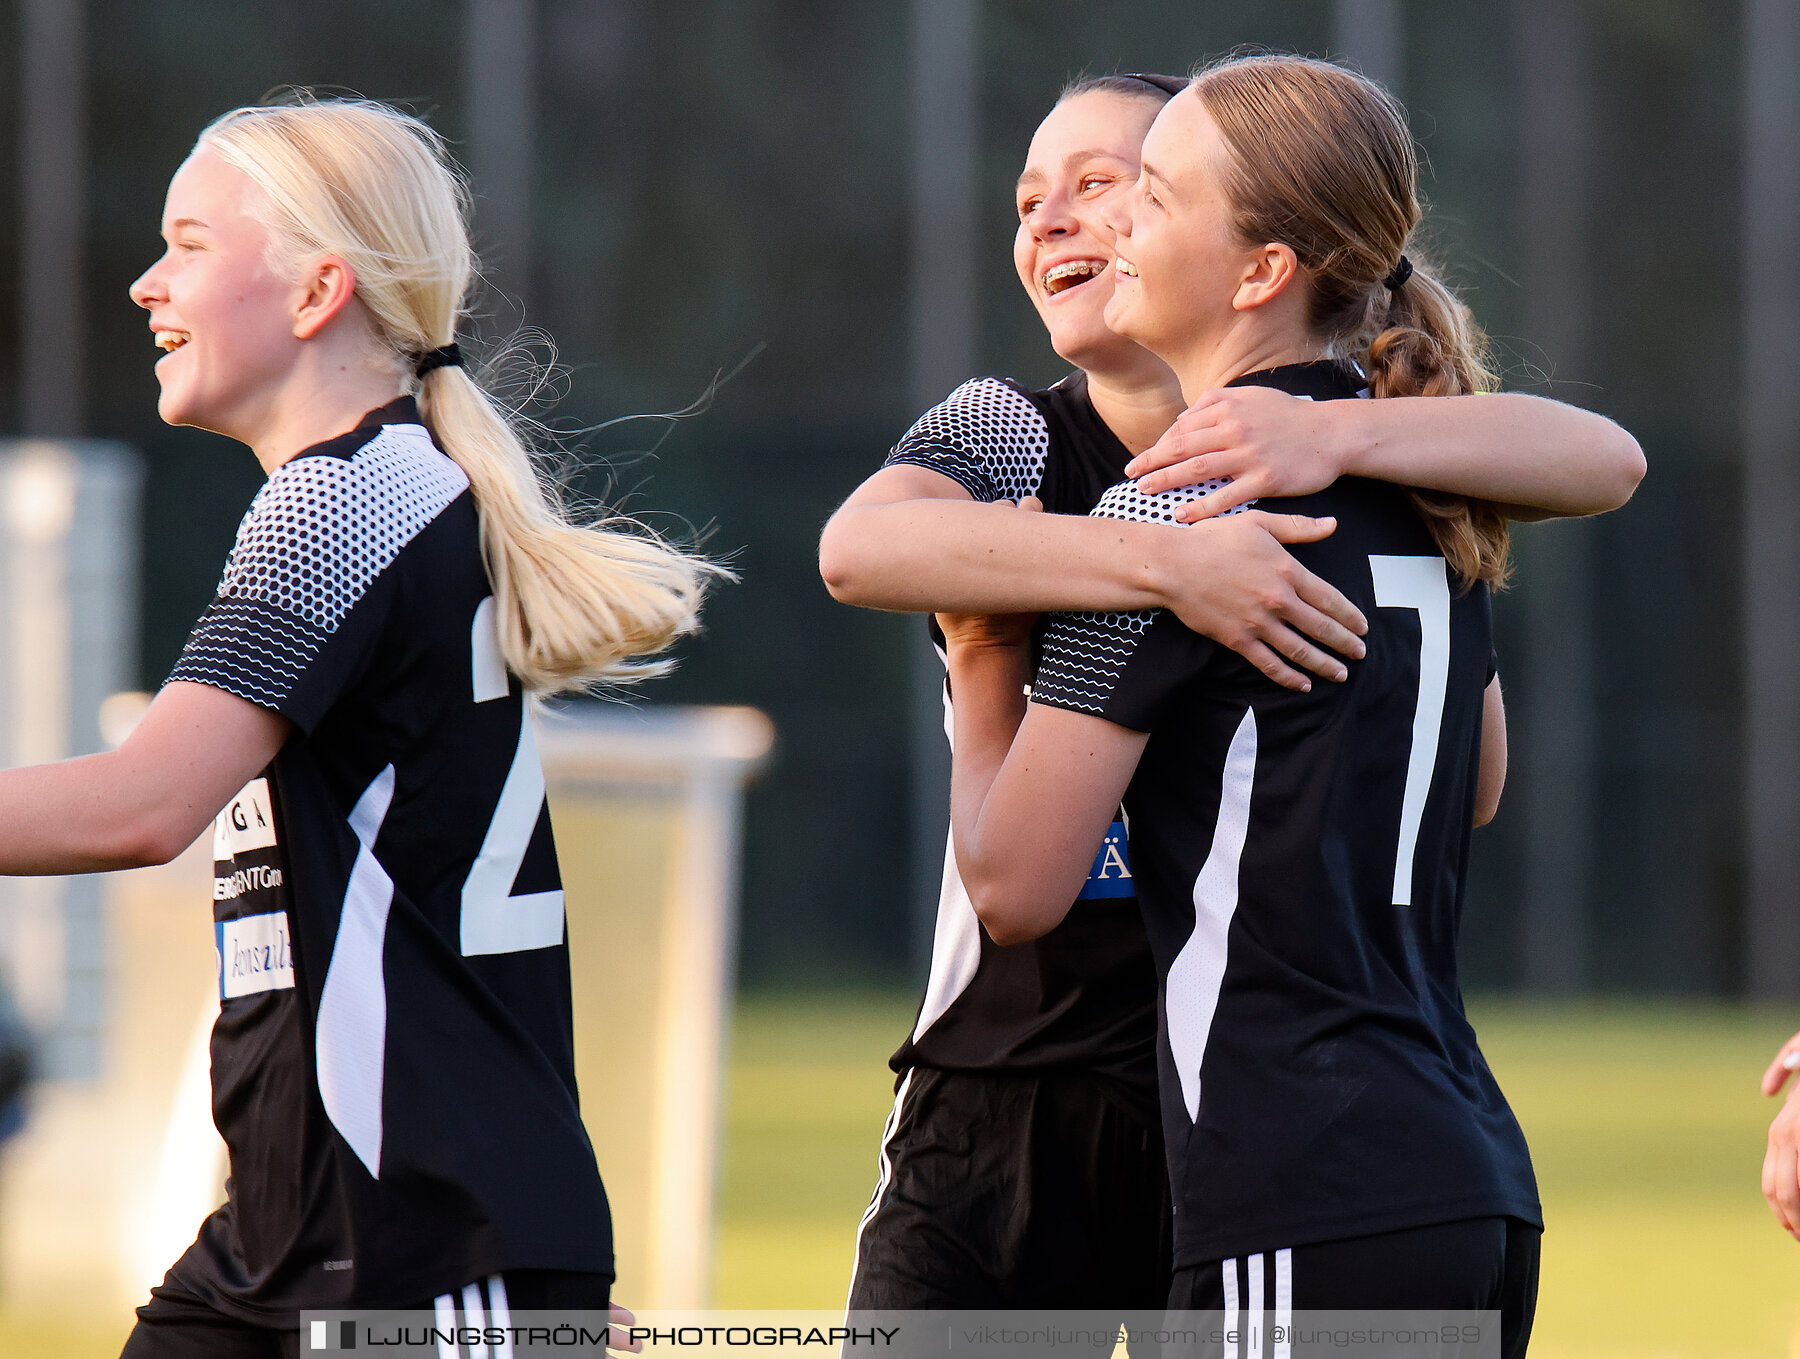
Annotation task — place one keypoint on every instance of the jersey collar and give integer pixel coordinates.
(1321, 379)
(402, 410)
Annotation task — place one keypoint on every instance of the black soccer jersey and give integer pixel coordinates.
(392, 1065)
(1082, 995)
(1300, 861)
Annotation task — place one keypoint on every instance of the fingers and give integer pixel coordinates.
(1787, 1061)
(1265, 659)
(1032, 503)
(1320, 627)
(1345, 623)
(1187, 472)
(1768, 1184)
(1786, 1201)
(618, 1337)
(1227, 497)
(1302, 653)
(1188, 437)
(1295, 528)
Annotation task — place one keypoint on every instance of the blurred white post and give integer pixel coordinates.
(1370, 33)
(1556, 560)
(647, 804)
(68, 638)
(1770, 269)
(500, 87)
(51, 92)
(942, 293)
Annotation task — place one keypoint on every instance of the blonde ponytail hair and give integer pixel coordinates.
(1323, 161)
(578, 604)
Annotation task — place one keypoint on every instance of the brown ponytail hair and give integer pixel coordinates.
(1322, 161)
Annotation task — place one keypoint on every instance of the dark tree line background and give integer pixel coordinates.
(714, 176)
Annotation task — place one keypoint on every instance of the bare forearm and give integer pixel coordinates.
(1032, 791)
(80, 816)
(146, 801)
(987, 686)
(1510, 448)
(954, 556)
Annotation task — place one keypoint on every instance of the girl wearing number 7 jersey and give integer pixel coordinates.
(1335, 1139)
(392, 1066)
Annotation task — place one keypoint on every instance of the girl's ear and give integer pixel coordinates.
(1271, 269)
(324, 293)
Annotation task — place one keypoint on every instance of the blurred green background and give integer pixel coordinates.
(1645, 1123)
(698, 178)
(703, 177)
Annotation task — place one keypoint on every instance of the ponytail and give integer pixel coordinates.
(1322, 160)
(578, 603)
(1430, 345)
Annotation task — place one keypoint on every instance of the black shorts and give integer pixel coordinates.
(1477, 1265)
(1014, 1190)
(175, 1324)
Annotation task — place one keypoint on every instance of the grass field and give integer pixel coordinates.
(1644, 1120)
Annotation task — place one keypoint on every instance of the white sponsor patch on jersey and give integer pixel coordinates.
(254, 955)
(248, 822)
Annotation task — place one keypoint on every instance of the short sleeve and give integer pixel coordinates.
(1493, 670)
(288, 627)
(986, 435)
(1124, 667)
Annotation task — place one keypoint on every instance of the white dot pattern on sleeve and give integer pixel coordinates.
(1084, 654)
(318, 533)
(984, 435)
(323, 527)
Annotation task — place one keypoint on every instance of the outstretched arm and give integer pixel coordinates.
(913, 540)
(1537, 457)
(144, 802)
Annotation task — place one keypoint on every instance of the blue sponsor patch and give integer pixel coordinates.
(1111, 874)
(254, 955)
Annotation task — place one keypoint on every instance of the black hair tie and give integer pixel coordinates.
(1396, 280)
(450, 356)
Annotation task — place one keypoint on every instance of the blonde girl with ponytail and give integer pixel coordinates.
(578, 604)
(392, 1064)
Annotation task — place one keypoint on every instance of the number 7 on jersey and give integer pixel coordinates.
(1420, 583)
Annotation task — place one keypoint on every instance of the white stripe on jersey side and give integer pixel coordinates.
(351, 1031)
(1191, 995)
(1253, 1342)
(956, 935)
(501, 1311)
(445, 1309)
(1228, 1281)
(498, 1310)
(883, 1179)
(493, 921)
(474, 1317)
(1284, 1304)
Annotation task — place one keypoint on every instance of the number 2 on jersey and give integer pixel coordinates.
(493, 920)
(1420, 583)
